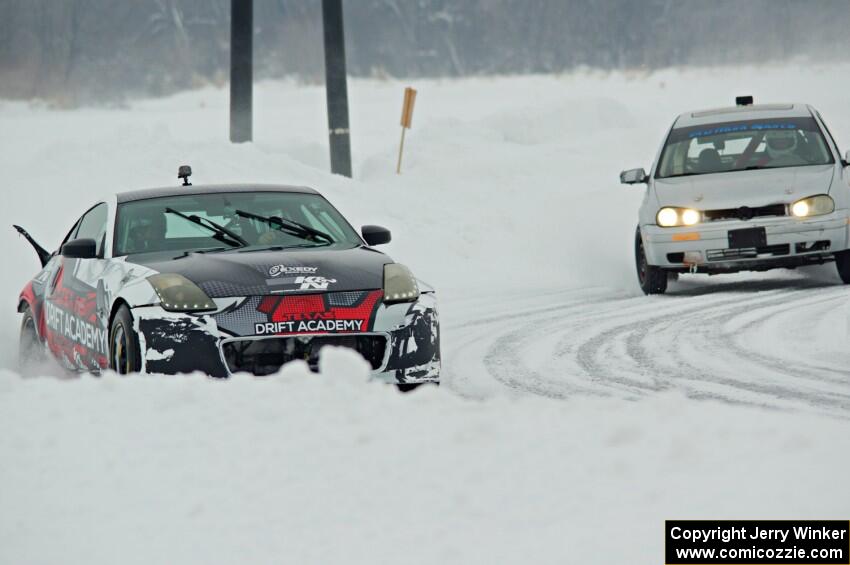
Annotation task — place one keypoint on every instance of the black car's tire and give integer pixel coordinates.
(652, 280)
(842, 263)
(410, 387)
(30, 348)
(124, 351)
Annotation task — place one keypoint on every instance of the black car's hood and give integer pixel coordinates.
(290, 271)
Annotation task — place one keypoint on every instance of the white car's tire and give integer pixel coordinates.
(652, 280)
(842, 263)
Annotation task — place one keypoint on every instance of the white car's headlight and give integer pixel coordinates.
(399, 284)
(813, 206)
(178, 294)
(669, 217)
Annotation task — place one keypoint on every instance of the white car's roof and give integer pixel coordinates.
(737, 113)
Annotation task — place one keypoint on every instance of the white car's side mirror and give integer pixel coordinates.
(634, 176)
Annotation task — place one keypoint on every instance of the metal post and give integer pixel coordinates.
(241, 69)
(336, 88)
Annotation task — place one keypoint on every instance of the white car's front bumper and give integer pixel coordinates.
(790, 242)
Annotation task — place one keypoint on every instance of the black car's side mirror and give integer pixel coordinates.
(83, 248)
(375, 235)
(634, 176)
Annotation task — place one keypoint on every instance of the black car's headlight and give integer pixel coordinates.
(813, 206)
(399, 284)
(669, 217)
(178, 294)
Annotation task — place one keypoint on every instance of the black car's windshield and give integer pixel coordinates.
(160, 224)
(743, 145)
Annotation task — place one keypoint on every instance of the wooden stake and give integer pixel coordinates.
(406, 120)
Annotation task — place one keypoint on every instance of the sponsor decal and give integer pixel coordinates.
(308, 326)
(302, 278)
(740, 127)
(75, 328)
(278, 270)
(312, 314)
(313, 283)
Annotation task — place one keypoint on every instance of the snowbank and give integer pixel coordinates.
(304, 468)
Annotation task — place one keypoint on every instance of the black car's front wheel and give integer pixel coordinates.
(124, 351)
(652, 280)
(410, 387)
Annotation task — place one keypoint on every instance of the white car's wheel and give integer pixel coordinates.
(842, 263)
(652, 280)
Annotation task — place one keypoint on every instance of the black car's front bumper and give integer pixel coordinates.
(400, 341)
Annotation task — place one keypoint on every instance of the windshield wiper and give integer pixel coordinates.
(289, 226)
(222, 234)
(186, 253)
(256, 249)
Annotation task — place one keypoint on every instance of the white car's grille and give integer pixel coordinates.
(746, 213)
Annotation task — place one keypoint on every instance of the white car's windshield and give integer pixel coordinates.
(743, 145)
(230, 220)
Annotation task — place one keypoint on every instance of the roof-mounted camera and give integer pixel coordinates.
(184, 172)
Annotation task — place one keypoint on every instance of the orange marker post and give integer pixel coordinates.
(406, 119)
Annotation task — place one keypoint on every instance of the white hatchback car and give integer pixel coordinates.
(744, 188)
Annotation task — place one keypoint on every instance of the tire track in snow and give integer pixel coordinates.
(731, 341)
(700, 349)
